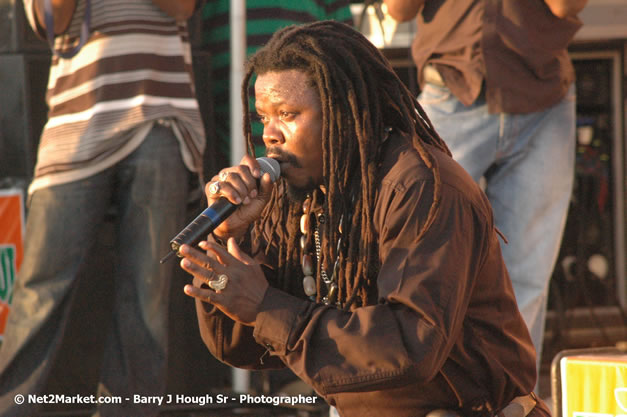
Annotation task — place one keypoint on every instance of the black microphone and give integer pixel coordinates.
(215, 214)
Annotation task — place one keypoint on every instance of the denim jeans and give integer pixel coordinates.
(149, 189)
(528, 164)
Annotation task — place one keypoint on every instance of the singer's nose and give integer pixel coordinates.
(272, 135)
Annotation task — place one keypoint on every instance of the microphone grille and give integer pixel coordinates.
(270, 166)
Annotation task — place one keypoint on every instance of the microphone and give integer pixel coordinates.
(215, 214)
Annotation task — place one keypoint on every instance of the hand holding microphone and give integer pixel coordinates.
(245, 188)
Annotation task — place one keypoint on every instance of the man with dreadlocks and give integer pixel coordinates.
(372, 268)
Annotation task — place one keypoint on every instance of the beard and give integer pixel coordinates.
(298, 194)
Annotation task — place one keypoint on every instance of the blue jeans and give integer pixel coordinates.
(150, 190)
(528, 164)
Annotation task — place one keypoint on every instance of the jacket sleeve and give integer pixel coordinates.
(231, 342)
(424, 289)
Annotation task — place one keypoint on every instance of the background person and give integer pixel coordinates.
(498, 85)
(124, 129)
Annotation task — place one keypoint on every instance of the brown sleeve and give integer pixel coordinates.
(231, 342)
(424, 290)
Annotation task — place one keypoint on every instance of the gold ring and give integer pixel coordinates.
(214, 187)
(223, 175)
(220, 283)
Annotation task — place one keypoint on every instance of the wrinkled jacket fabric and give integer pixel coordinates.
(446, 331)
(515, 52)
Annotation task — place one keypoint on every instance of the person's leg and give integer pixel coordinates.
(529, 164)
(470, 132)
(153, 192)
(61, 226)
(530, 189)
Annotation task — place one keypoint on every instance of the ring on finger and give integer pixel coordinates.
(220, 283)
(214, 187)
(223, 175)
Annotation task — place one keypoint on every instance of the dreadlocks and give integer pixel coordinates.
(361, 96)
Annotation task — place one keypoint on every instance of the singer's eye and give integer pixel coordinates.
(286, 115)
(260, 118)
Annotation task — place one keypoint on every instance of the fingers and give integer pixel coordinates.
(229, 255)
(238, 183)
(237, 283)
(265, 187)
(252, 164)
(208, 268)
(201, 265)
(203, 294)
(204, 267)
(238, 253)
(207, 296)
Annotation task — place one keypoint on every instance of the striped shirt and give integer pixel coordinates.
(263, 18)
(134, 70)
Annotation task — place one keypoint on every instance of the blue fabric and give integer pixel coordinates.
(526, 163)
(150, 190)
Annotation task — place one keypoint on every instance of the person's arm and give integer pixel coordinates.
(565, 8)
(403, 10)
(424, 289)
(424, 292)
(229, 341)
(177, 9)
(62, 12)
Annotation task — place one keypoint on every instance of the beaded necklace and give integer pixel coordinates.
(309, 282)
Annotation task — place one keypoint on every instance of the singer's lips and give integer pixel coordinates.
(275, 157)
(282, 162)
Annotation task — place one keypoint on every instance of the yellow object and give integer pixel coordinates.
(594, 386)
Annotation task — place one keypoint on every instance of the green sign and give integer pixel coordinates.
(8, 270)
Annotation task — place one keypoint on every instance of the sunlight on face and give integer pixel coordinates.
(291, 113)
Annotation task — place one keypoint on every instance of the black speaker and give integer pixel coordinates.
(23, 111)
(16, 34)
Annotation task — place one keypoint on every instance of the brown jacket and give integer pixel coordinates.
(519, 48)
(446, 331)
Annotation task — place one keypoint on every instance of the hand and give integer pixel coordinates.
(62, 12)
(241, 298)
(566, 8)
(239, 184)
(403, 10)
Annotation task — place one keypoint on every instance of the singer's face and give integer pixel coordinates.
(290, 110)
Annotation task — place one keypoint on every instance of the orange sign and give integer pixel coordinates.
(11, 247)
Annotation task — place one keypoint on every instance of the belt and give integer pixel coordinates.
(432, 76)
(519, 407)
